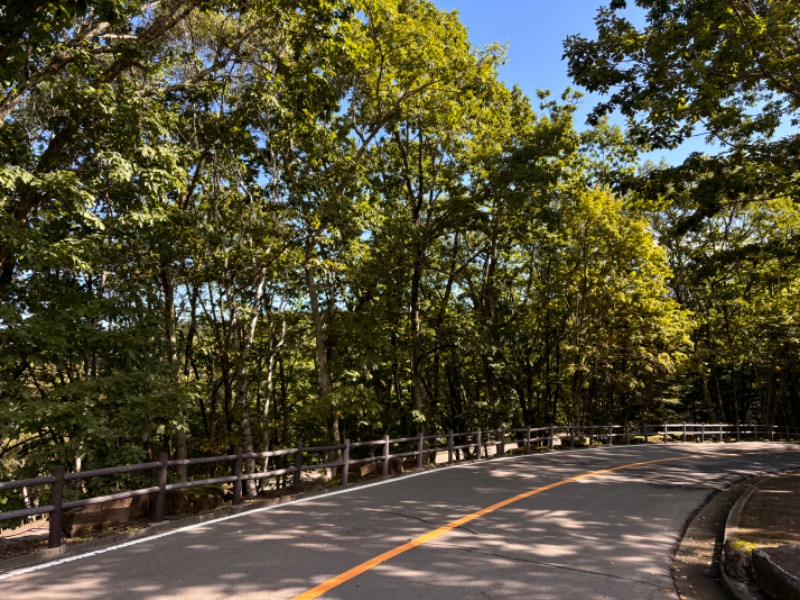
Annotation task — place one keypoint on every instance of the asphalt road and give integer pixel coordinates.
(575, 524)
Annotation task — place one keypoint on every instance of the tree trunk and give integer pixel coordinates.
(487, 312)
(243, 345)
(416, 367)
(324, 381)
(269, 386)
(170, 332)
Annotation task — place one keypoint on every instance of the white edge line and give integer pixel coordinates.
(149, 538)
(73, 558)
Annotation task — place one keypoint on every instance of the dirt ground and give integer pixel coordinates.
(32, 537)
(771, 515)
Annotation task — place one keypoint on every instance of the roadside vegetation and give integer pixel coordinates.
(244, 223)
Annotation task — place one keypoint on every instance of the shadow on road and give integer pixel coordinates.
(610, 535)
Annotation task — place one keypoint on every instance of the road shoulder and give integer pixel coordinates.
(696, 565)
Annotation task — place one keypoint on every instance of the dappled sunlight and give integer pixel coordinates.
(607, 532)
(565, 521)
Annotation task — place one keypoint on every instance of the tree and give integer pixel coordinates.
(723, 69)
(114, 142)
(726, 70)
(733, 273)
(83, 164)
(252, 223)
(60, 64)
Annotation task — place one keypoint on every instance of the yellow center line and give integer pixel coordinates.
(338, 580)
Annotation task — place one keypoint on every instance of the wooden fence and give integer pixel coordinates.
(433, 449)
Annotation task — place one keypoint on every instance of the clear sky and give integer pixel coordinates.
(534, 31)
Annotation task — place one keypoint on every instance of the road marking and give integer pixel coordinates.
(468, 465)
(238, 515)
(338, 580)
(249, 511)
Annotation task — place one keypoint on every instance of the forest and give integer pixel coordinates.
(246, 222)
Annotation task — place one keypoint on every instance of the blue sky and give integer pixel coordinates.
(534, 31)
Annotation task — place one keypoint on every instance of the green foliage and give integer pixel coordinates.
(248, 224)
(727, 71)
(728, 67)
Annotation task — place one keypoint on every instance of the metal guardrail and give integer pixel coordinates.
(471, 445)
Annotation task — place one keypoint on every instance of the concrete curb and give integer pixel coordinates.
(733, 587)
(738, 590)
(736, 560)
(773, 578)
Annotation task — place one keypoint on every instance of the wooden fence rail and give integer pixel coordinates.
(425, 448)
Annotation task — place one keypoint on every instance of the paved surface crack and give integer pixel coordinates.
(414, 518)
(680, 486)
(548, 564)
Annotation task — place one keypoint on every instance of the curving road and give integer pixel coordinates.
(598, 523)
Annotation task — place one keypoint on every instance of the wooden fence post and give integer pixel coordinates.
(591, 436)
(644, 427)
(684, 431)
(721, 434)
(385, 455)
(298, 467)
(552, 436)
(57, 500)
(450, 447)
(161, 497)
(666, 433)
(502, 440)
(478, 444)
(420, 448)
(571, 430)
(628, 433)
(528, 440)
(610, 434)
(237, 472)
(346, 467)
